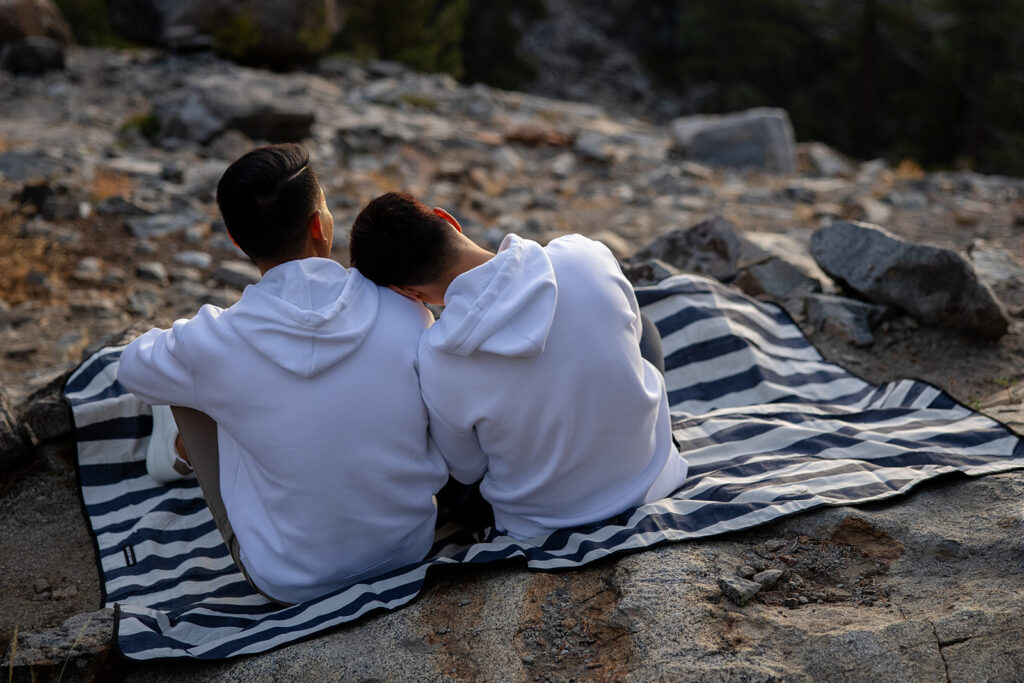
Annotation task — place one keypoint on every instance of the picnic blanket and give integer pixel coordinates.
(769, 429)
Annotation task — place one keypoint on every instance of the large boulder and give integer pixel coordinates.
(33, 56)
(14, 442)
(251, 31)
(935, 285)
(760, 138)
(710, 248)
(21, 19)
(258, 105)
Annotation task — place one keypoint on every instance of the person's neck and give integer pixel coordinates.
(470, 257)
(266, 264)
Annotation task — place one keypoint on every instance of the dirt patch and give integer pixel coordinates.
(569, 628)
(869, 540)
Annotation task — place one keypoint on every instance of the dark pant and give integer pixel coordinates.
(650, 344)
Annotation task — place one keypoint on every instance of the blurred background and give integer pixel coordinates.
(939, 82)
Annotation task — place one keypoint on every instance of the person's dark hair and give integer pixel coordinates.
(398, 240)
(266, 198)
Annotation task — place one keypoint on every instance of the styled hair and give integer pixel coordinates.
(266, 198)
(398, 240)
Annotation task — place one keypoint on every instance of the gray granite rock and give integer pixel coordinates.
(153, 271)
(35, 55)
(80, 649)
(148, 227)
(768, 578)
(236, 274)
(848, 319)
(710, 248)
(647, 272)
(15, 447)
(935, 285)
(738, 589)
(46, 414)
(761, 138)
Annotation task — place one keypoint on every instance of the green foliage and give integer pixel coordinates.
(90, 23)
(423, 34)
(940, 81)
(237, 36)
(147, 124)
(493, 29)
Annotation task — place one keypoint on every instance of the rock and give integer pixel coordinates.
(134, 166)
(996, 267)
(14, 442)
(119, 206)
(776, 278)
(871, 210)
(768, 578)
(618, 245)
(254, 104)
(25, 166)
(746, 572)
(822, 160)
(80, 649)
(761, 138)
(647, 272)
(154, 271)
(254, 31)
(710, 248)
(46, 414)
(738, 589)
(848, 319)
(148, 227)
(230, 145)
(937, 286)
(21, 19)
(89, 270)
(236, 274)
(195, 259)
(33, 56)
(201, 178)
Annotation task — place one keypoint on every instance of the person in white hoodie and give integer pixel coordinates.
(533, 375)
(326, 476)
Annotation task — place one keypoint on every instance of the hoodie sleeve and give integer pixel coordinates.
(624, 285)
(460, 450)
(153, 367)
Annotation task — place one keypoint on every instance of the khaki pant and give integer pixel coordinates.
(199, 434)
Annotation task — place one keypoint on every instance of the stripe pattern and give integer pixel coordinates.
(769, 429)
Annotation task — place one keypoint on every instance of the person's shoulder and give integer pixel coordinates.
(403, 310)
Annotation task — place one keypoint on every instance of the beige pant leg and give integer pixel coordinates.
(199, 434)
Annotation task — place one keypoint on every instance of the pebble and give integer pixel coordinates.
(89, 270)
(738, 589)
(152, 270)
(803, 599)
(195, 259)
(768, 578)
(236, 274)
(746, 571)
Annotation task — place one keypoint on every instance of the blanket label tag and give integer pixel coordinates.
(129, 555)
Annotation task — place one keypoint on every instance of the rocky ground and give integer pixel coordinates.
(107, 170)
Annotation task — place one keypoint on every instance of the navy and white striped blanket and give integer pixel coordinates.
(769, 429)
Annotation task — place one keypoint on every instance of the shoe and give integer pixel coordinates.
(162, 460)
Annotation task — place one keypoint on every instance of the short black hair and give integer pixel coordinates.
(398, 240)
(266, 198)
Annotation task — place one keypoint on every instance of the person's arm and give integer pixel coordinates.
(154, 368)
(624, 285)
(460, 450)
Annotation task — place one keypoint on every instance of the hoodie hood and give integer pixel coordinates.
(306, 315)
(504, 306)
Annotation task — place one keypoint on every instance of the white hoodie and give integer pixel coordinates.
(534, 381)
(326, 472)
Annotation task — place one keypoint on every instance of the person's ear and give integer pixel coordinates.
(316, 227)
(408, 292)
(448, 217)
